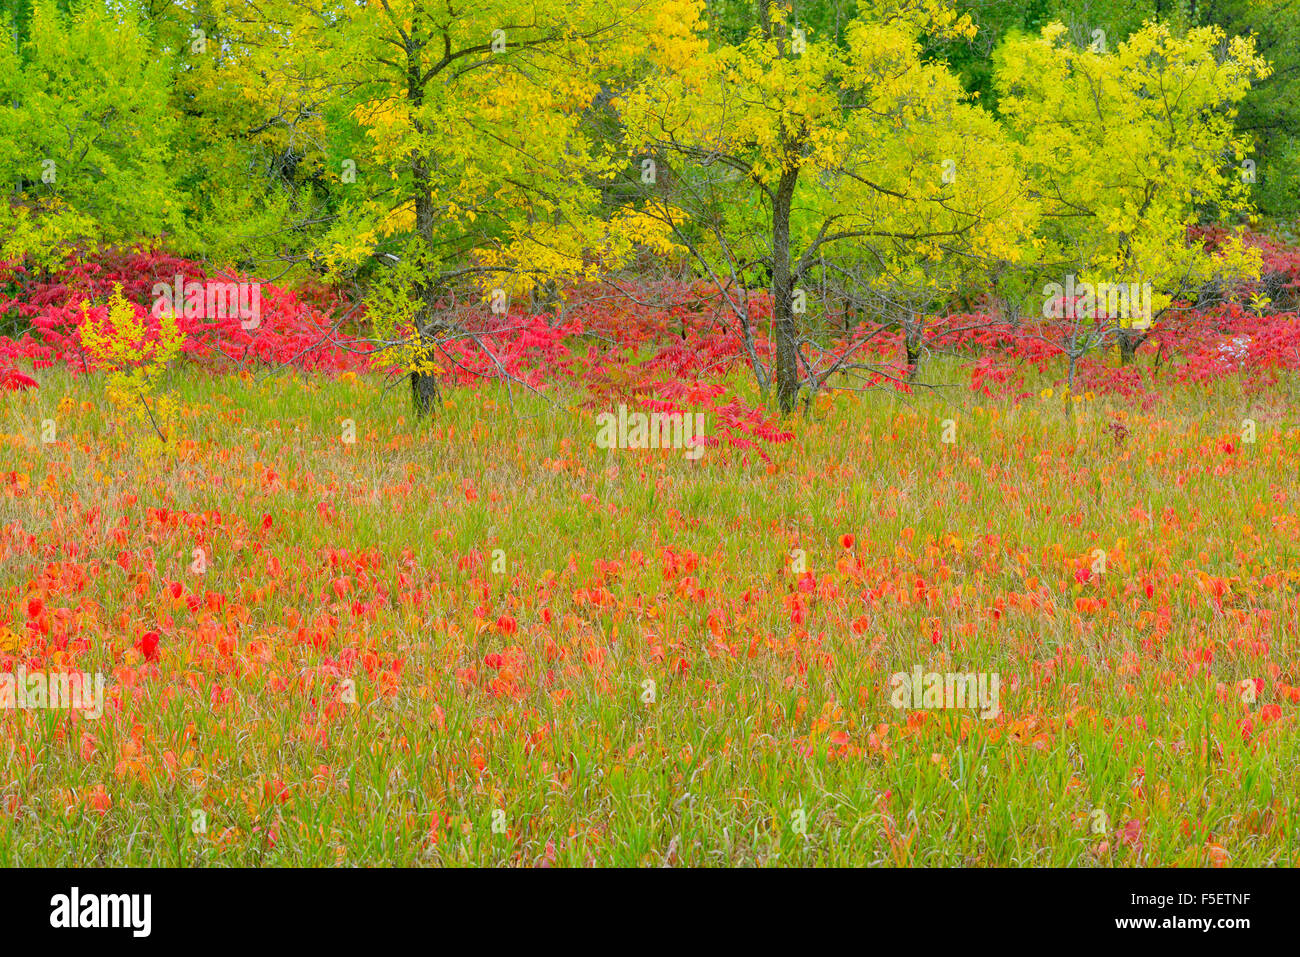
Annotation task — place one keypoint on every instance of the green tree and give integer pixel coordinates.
(454, 136)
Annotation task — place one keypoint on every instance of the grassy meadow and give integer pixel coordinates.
(480, 639)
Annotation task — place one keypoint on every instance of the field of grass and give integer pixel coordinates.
(481, 639)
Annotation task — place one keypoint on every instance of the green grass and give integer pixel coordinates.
(632, 553)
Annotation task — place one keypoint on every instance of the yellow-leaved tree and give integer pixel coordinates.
(121, 343)
(1125, 149)
(844, 152)
(457, 141)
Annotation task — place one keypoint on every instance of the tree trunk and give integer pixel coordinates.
(545, 300)
(787, 359)
(425, 394)
(1069, 384)
(1128, 345)
(912, 345)
(426, 397)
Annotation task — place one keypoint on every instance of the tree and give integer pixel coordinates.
(789, 150)
(1125, 149)
(87, 137)
(453, 135)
